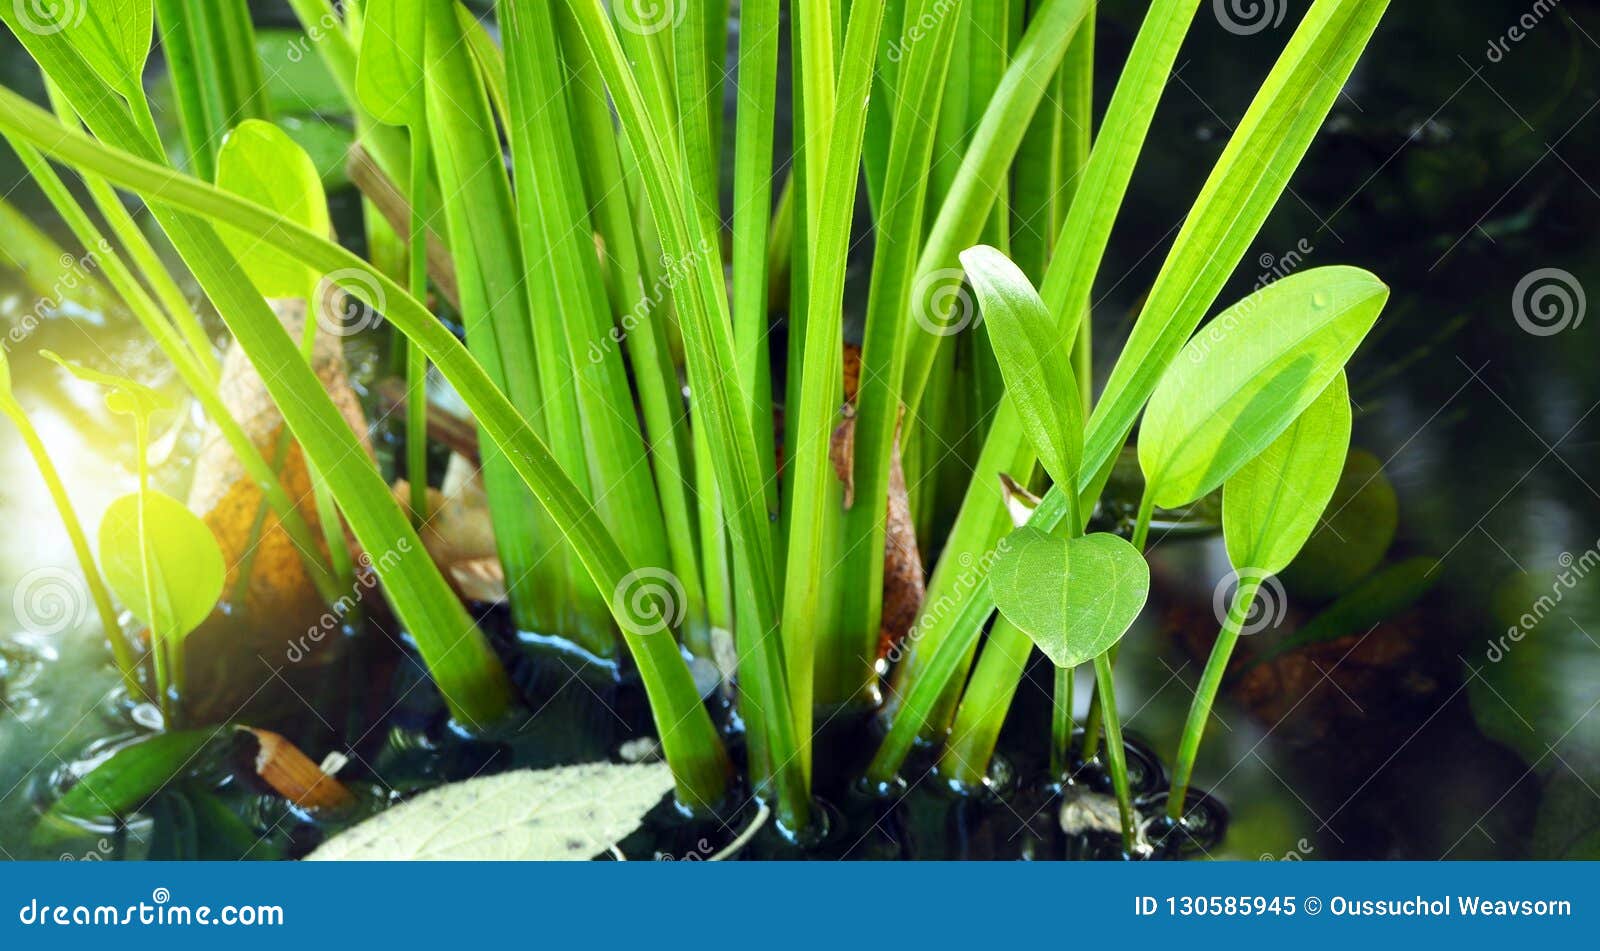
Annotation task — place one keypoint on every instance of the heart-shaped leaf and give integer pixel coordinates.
(1249, 374)
(567, 813)
(186, 567)
(260, 162)
(1073, 598)
(1272, 504)
(1035, 361)
(389, 71)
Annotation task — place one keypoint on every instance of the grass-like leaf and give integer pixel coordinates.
(1247, 181)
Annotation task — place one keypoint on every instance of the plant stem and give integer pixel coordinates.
(158, 637)
(1141, 523)
(983, 706)
(416, 360)
(1141, 532)
(1061, 721)
(1116, 755)
(1194, 728)
(127, 663)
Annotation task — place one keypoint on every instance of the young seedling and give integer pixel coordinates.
(1073, 596)
(1269, 509)
(158, 557)
(1246, 183)
(1245, 379)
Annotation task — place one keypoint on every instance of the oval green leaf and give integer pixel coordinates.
(1249, 374)
(186, 566)
(1075, 598)
(1272, 505)
(1035, 360)
(260, 162)
(389, 71)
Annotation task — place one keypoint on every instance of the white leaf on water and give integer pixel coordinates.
(570, 813)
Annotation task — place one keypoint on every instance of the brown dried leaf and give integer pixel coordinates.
(842, 453)
(459, 534)
(292, 775)
(904, 583)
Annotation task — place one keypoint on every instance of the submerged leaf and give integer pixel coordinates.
(260, 162)
(1271, 505)
(1035, 360)
(567, 813)
(278, 591)
(1531, 680)
(1073, 598)
(185, 563)
(123, 781)
(1372, 602)
(1249, 374)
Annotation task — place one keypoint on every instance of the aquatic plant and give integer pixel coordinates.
(646, 508)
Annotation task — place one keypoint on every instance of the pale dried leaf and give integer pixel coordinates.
(569, 813)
